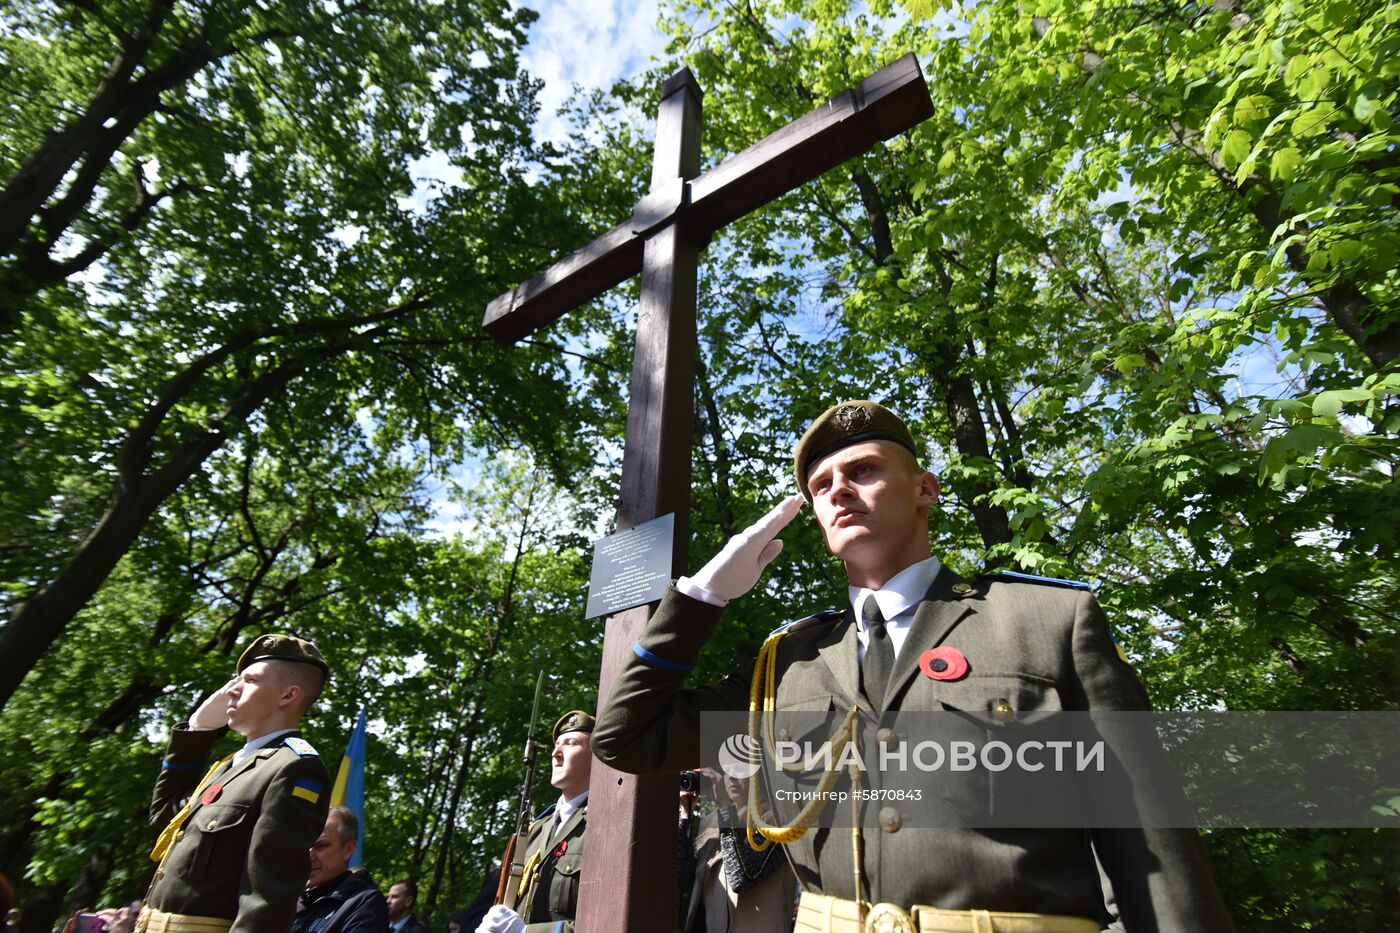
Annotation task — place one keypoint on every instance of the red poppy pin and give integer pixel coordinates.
(943, 664)
(561, 848)
(212, 794)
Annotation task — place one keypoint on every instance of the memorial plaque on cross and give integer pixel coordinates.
(629, 878)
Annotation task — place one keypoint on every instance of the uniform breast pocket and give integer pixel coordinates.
(803, 720)
(563, 885)
(223, 834)
(999, 694)
(980, 723)
(804, 700)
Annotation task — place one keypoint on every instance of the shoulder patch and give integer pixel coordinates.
(299, 745)
(1046, 581)
(826, 615)
(310, 791)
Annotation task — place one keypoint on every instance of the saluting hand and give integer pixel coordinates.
(501, 919)
(213, 712)
(734, 570)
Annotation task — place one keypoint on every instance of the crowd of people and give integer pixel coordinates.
(915, 636)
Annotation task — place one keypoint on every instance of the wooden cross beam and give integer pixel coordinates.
(629, 878)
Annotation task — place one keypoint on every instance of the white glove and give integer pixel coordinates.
(213, 712)
(501, 919)
(734, 570)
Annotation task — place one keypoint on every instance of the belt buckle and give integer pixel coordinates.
(889, 918)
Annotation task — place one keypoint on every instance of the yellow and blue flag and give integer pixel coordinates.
(308, 790)
(349, 790)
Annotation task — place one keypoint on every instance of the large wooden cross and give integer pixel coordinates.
(629, 878)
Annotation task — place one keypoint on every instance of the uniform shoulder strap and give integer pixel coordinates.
(797, 625)
(1014, 576)
(299, 745)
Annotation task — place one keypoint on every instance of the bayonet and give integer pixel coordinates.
(513, 868)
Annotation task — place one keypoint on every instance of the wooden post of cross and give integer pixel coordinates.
(629, 879)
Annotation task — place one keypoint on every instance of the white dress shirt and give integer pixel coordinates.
(897, 600)
(262, 741)
(566, 809)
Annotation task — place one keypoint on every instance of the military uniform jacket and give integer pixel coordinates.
(551, 902)
(1034, 646)
(242, 852)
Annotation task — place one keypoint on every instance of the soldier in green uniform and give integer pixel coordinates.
(233, 853)
(546, 898)
(1002, 644)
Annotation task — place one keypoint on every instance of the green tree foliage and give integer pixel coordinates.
(1133, 283)
(277, 245)
(240, 341)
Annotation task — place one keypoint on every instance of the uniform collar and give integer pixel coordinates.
(566, 808)
(261, 742)
(898, 596)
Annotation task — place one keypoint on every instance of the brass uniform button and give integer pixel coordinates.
(962, 589)
(160, 873)
(1004, 711)
(784, 735)
(887, 737)
(890, 820)
(211, 824)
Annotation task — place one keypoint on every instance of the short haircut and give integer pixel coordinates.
(411, 886)
(306, 676)
(906, 457)
(347, 826)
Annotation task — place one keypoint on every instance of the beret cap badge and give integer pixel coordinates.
(852, 417)
(575, 720)
(845, 424)
(282, 648)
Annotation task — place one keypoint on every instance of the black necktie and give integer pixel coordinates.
(879, 654)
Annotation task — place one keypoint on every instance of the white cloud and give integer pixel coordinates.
(590, 43)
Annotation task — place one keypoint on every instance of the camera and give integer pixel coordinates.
(694, 782)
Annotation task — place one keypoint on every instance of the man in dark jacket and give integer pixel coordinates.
(337, 900)
(403, 897)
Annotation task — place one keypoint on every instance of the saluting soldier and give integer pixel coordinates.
(546, 897)
(1001, 644)
(233, 854)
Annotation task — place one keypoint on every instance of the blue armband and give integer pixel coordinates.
(657, 661)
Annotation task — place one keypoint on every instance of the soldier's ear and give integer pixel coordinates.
(291, 693)
(928, 489)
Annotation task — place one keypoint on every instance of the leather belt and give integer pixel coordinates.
(151, 920)
(818, 913)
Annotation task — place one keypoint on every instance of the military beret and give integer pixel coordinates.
(282, 648)
(845, 425)
(575, 720)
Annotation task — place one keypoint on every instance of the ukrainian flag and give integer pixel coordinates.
(349, 790)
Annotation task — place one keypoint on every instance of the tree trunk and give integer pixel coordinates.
(36, 623)
(449, 823)
(724, 509)
(505, 616)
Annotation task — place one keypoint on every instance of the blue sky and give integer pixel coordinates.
(590, 43)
